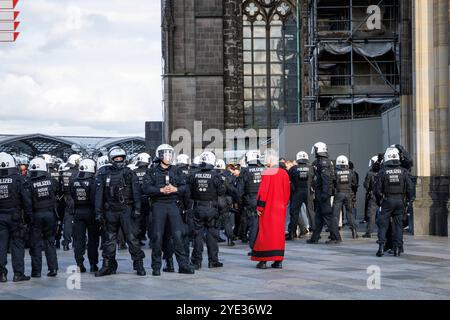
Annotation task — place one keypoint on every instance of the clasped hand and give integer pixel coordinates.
(168, 189)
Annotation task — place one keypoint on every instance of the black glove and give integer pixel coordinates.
(136, 214)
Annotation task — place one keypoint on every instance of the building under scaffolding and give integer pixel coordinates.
(352, 58)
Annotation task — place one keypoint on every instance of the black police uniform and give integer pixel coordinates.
(166, 213)
(301, 176)
(13, 199)
(323, 185)
(206, 186)
(60, 206)
(43, 190)
(117, 202)
(145, 219)
(393, 189)
(65, 178)
(372, 207)
(251, 178)
(343, 198)
(225, 203)
(82, 191)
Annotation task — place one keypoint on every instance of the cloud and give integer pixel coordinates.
(82, 68)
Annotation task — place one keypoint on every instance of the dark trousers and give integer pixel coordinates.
(391, 208)
(372, 208)
(43, 239)
(229, 224)
(344, 201)
(167, 215)
(145, 219)
(252, 224)
(84, 221)
(11, 233)
(116, 220)
(205, 225)
(297, 200)
(68, 220)
(324, 215)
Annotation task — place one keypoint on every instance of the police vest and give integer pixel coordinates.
(81, 192)
(43, 193)
(203, 188)
(9, 193)
(140, 172)
(343, 181)
(303, 175)
(394, 182)
(254, 179)
(66, 177)
(119, 187)
(324, 166)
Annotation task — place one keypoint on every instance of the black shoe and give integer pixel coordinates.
(367, 235)
(311, 241)
(196, 265)
(215, 264)
(396, 252)
(140, 271)
(333, 242)
(261, 265)
(289, 236)
(277, 265)
(380, 251)
(52, 273)
(35, 274)
(230, 243)
(186, 270)
(81, 267)
(3, 277)
(93, 268)
(244, 240)
(57, 244)
(66, 247)
(109, 267)
(156, 272)
(169, 266)
(354, 234)
(249, 253)
(221, 240)
(20, 277)
(123, 247)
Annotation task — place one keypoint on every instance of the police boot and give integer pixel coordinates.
(52, 273)
(215, 264)
(140, 271)
(93, 268)
(396, 252)
(230, 242)
(169, 266)
(66, 247)
(106, 269)
(186, 270)
(57, 244)
(20, 277)
(81, 267)
(380, 251)
(354, 234)
(3, 277)
(277, 265)
(35, 274)
(367, 235)
(289, 236)
(261, 265)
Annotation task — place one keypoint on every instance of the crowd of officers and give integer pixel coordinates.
(180, 207)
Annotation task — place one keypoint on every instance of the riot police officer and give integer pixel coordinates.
(142, 164)
(343, 199)
(393, 188)
(205, 187)
(251, 178)
(371, 203)
(301, 176)
(13, 199)
(118, 205)
(82, 191)
(323, 185)
(72, 164)
(187, 204)
(164, 183)
(43, 190)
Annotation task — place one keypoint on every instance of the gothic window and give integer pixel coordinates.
(270, 62)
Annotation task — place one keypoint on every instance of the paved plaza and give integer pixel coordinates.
(310, 272)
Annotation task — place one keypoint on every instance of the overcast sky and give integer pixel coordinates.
(82, 67)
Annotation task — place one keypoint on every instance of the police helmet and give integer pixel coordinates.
(143, 159)
(302, 157)
(320, 149)
(38, 164)
(102, 161)
(165, 153)
(391, 155)
(73, 161)
(342, 161)
(7, 161)
(208, 157)
(183, 159)
(87, 165)
(220, 164)
(252, 156)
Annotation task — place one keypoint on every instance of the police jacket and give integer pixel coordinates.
(301, 176)
(393, 181)
(206, 184)
(117, 188)
(43, 190)
(13, 194)
(82, 190)
(324, 176)
(251, 178)
(158, 177)
(65, 178)
(346, 181)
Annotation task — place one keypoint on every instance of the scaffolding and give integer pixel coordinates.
(352, 58)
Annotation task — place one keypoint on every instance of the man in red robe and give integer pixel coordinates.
(273, 197)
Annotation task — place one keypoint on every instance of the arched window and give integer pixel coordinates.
(270, 62)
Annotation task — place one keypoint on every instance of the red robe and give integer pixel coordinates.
(273, 198)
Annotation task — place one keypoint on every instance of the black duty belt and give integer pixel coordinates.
(204, 203)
